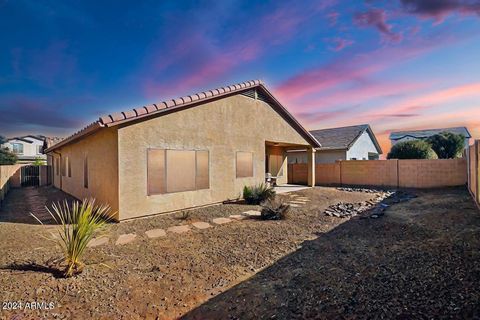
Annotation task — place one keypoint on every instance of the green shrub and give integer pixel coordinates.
(257, 194)
(7, 157)
(38, 162)
(415, 149)
(447, 145)
(77, 225)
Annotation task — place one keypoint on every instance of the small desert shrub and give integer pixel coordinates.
(257, 194)
(184, 215)
(77, 225)
(274, 210)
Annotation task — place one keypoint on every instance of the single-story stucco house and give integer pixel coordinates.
(182, 153)
(344, 143)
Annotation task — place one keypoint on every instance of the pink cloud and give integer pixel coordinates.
(430, 100)
(339, 44)
(205, 60)
(378, 19)
(333, 18)
(354, 69)
(360, 94)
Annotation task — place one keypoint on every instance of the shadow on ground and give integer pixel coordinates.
(34, 267)
(418, 261)
(21, 202)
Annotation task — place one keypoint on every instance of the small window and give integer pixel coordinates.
(202, 180)
(156, 183)
(17, 148)
(85, 172)
(64, 166)
(244, 164)
(39, 149)
(69, 166)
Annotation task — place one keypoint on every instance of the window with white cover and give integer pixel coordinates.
(244, 164)
(171, 171)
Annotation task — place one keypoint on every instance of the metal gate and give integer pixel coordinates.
(30, 176)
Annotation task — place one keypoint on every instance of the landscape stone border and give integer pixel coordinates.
(123, 239)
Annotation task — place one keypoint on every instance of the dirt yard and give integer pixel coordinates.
(420, 260)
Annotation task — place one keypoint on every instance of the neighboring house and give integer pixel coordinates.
(401, 136)
(27, 148)
(345, 143)
(182, 153)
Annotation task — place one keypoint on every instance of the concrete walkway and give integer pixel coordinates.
(284, 188)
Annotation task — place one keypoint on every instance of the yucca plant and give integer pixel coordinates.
(77, 225)
(257, 194)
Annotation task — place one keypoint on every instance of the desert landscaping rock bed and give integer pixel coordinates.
(420, 260)
(373, 208)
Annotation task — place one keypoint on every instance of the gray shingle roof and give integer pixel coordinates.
(343, 137)
(428, 133)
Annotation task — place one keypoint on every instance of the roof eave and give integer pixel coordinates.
(307, 135)
(93, 127)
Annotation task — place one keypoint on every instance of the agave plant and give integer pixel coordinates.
(77, 225)
(273, 209)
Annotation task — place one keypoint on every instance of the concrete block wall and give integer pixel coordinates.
(432, 173)
(474, 171)
(327, 174)
(386, 173)
(369, 172)
(9, 178)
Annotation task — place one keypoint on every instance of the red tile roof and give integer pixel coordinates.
(183, 103)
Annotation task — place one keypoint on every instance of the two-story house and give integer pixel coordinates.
(27, 148)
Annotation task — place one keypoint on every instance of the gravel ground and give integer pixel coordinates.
(419, 260)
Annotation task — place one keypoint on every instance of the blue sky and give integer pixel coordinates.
(405, 64)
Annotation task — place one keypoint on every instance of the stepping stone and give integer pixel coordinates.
(293, 205)
(179, 229)
(201, 225)
(252, 213)
(221, 220)
(155, 233)
(95, 242)
(125, 238)
(297, 202)
(237, 217)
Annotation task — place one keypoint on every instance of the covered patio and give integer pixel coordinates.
(276, 165)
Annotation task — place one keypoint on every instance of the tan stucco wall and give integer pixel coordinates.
(222, 127)
(101, 150)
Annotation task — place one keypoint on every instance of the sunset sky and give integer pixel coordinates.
(407, 64)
